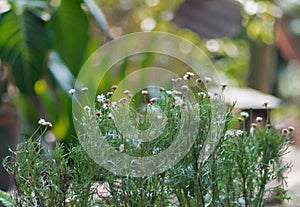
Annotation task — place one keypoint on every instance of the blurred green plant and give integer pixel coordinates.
(45, 44)
(238, 172)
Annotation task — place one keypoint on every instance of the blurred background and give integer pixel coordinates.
(44, 43)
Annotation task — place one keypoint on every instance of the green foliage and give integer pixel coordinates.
(70, 25)
(24, 42)
(45, 178)
(6, 199)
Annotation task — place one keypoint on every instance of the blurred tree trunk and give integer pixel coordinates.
(262, 67)
(9, 129)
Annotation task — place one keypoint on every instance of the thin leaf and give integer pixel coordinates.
(6, 199)
(99, 17)
(61, 72)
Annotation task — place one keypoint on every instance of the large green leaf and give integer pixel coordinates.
(24, 42)
(71, 33)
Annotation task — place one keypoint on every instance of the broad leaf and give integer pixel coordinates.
(60, 72)
(24, 41)
(71, 32)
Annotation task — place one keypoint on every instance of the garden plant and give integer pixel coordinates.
(244, 168)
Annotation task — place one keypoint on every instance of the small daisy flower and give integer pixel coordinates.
(161, 89)
(105, 106)
(110, 116)
(101, 98)
(152, 100)
(199, 80)
(190, 74)
(186, 77)
(244, 114)
(41, 121)
(110, 93)
(84, 89)
(291, 128)
(121, 148)
(144, 92)
(169, 92)
(285, 132)
(98, 113)
(122, 100)
(44, 123)
(114, 104)
(48, 124)
(114, 87)
(126, 92)
(184, 88)
(129, 95)
(177, 92)
(178, 101)
(239, 132)
(87, 108)
(259, 119)
(223, 87)
(207, 79)
(72, 91)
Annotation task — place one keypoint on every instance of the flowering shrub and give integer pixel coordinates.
(237, 171)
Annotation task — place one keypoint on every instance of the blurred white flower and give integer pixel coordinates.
(101, 98)
(72, 91)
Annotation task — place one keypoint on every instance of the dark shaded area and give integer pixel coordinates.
(210, 18)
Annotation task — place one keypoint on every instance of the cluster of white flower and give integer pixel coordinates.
(101, 98)
(188, 76)
(44, 123)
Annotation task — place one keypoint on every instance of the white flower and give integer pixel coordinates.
(291, 128)
(87, 108)
(114, 104)
(178, 101)
(110, 93)
(259, 119)
(244, 114)
(121, 147)
(177, 92)
(41, 121)
(184, 88)
(201, 94)
(285, 132)
(49, 124)
(169, 92)
(239, 132)
(110, 116)
(190, 74)
(114, 87)
(101, 98)
(84, 89)
(144, 92)
(152, 100)
(126, 92)
(207, 79)
(44, 123)
(105, 106)
(186, 77)
(72, 91)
